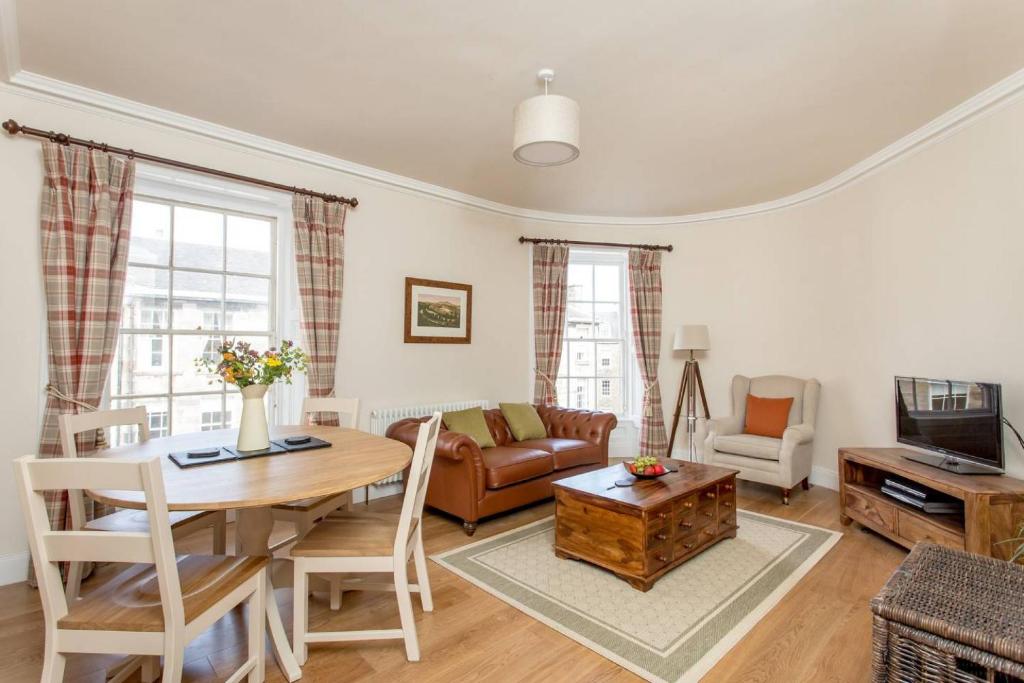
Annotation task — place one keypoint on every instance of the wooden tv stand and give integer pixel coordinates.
(993, 504)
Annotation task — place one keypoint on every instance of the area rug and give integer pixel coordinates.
(676, 631)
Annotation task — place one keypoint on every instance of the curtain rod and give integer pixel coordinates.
(13, 127)
(543, 240)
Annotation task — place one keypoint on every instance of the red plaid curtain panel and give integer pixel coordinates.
(550, 288)
(320, 263)
(85, 225)
(645, 312)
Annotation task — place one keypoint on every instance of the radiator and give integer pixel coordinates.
(382, 418)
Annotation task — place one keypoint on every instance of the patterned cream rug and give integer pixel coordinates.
(676, 631)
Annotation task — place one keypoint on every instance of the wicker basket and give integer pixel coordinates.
(950, 617)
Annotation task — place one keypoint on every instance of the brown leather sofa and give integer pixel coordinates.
(472, 483)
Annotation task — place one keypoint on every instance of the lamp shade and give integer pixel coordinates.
(547, 130)
(691, 338)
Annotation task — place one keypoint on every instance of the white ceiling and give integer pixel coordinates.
(687, 106)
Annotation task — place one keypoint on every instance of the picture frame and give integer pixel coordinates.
(438, 312)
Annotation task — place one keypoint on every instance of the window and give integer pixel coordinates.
(597, 364)
(193, 269)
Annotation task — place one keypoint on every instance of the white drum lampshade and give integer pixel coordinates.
(692, 338)
(547, 128)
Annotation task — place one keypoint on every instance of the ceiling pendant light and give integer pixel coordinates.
(547, 128)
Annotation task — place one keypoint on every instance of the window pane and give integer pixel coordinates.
(248, 245)
(607, 285)
(579, 321)
(141, 365)
(562, 389)
(581, 359)
(157, 419)
(607, 321)
(187, 377)
(151, 233)
(248, 303)
(609, 359)
(563, 362)
(197, 301)
(233, 401)
(146, 292)
(581, 282)
(190, 411)
(198, 238)
(581, 394)
(609, 395)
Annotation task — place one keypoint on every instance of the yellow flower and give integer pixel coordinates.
(273, 362)
(229, 356)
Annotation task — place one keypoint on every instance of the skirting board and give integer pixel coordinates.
(821, 476)
(13, 568)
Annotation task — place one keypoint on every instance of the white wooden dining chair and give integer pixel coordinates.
(182, 523)
(143, 610)
(368, 542)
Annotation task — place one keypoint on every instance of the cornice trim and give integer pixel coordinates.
(1002, 93)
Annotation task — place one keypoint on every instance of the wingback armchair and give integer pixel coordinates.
(783, 462)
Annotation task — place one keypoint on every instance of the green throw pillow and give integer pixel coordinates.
(523, 420)
(470, 422)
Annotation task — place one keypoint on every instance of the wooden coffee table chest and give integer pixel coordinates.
(642, 531)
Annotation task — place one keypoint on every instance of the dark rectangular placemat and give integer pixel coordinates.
(309, 445)
(182, 460)
(272, 449)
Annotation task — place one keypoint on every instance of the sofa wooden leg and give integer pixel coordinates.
(785, 496)
(469, 528)
(806, 484)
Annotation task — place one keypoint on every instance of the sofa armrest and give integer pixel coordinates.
(586, 425)
(798, 434)
(456, 455)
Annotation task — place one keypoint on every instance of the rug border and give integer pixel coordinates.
(711, 657)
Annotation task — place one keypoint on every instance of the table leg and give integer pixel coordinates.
(252, 537)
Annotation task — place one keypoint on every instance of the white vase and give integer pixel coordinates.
(253, 434)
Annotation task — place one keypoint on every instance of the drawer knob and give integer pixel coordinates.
(686, 525)
(688, 504)
(726, 504)
(661, 537)
(710, 494)
(727, 487)
(709, 532)
(689, 546)
(709, 514)
(662, 515)
(662, 558)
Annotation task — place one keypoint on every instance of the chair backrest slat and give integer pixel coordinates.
(347, 409)
(99, 546)
(416, 487)
(73, 424)
(85, 473)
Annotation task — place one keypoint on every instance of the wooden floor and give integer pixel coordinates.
(819, 632)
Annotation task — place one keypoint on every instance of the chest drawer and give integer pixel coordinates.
(915, 529)
(869, 509)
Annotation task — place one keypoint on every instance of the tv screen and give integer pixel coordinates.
(961, 419)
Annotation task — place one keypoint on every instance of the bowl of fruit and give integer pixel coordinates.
(646, 467)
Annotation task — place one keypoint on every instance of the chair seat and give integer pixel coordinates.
(750, 445)
(566, 453)
(131, 600)
(307, 504)
(138, 520)
(506, 465)
(350, 534)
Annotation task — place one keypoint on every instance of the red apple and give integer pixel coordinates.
(659, 469)
(650, 471)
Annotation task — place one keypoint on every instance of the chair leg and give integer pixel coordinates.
(300, 605)
(422, 580)
(469, 528)
(806, 484)
(174, 662)
(220, 533)
(150, 669)
(257, 617)
(74, 582)
(412, 646)
(335, 581)
(785, 496)
(53, 661)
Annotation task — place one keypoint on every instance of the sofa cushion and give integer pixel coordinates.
(767, 416)
(567, 452)
(507, 465)
(470, 422)
(750, 445)
(523, 421)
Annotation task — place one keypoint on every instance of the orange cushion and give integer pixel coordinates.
(767, 416)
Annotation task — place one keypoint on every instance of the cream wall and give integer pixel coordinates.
(912, 270)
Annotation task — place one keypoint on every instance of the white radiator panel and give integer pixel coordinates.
(382, 418)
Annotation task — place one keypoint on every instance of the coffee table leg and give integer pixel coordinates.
(252, 537)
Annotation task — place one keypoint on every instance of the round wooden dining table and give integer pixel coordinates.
(252, 486)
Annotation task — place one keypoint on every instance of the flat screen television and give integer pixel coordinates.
(958, 423)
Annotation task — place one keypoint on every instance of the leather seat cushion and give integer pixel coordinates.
(567, 452)
(762, 447)
(505, 465)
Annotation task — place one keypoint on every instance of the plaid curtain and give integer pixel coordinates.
(86, 221)
(550, 279)
(320, 262)
(645, 312)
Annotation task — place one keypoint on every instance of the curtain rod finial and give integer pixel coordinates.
(354, 202)
(12, 126)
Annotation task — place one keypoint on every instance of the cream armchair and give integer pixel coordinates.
(783, 462)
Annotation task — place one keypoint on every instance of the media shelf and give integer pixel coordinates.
(993, 505)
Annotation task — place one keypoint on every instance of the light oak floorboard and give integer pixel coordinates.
(821, 631)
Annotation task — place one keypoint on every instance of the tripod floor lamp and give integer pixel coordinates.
(689, 338)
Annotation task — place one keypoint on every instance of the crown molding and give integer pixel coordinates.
(9, 38)
(987, 101)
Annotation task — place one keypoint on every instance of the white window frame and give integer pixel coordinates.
(630, 371)
(167, 186)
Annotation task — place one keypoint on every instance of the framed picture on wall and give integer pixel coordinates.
(438, 312)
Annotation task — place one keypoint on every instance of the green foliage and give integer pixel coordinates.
(240, 364)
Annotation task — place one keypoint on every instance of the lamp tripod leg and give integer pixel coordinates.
(683, 389)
